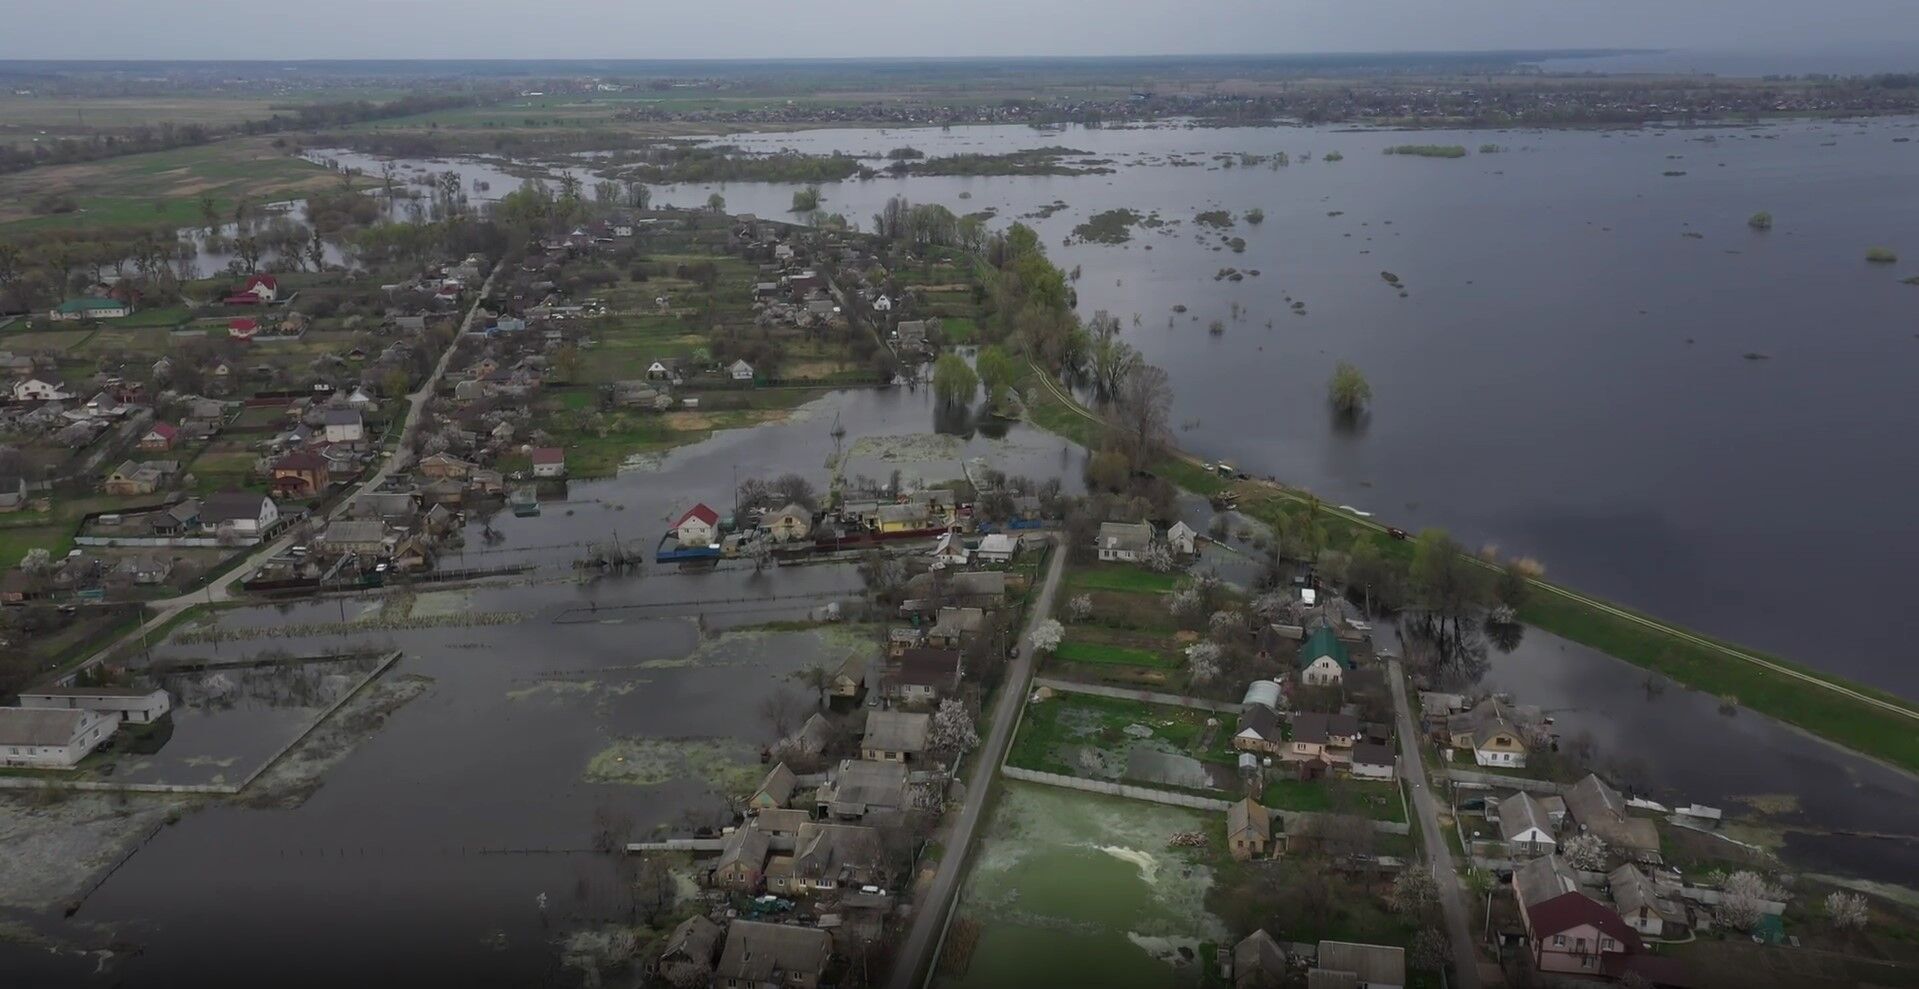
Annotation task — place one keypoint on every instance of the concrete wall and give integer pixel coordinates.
(1147, 696)
(1173, 798)
(1503, 781)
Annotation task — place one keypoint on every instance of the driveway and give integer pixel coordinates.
(929, 915)
(1438, 854)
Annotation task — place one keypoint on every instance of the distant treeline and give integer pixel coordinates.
(166, 136)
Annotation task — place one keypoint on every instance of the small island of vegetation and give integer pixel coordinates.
(1881, 255)
(1761, 220)
(1429, 150)
(1113, 226)
(1348, 390)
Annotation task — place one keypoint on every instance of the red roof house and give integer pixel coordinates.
(160, 437)
(241, 328)
(259, 290)
(548, 461)
(698, 526)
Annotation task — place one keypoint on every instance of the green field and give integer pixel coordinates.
(1120, 577)
(1070, 719)
(1072, 651)
(1366, 798)
(162, 188)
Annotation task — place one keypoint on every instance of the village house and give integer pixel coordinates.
(911, 335)
(850, 677)
(972, 589)
(921, 676)
(1374, 761)
(1259, 730)
(740, 371)
(143, 570)
(907, 517)
(159, 437)
(698, 527)
(895, 736)
(688, 956)
(998, 548)
(1363, 966)
(789, 524)
(343, 426)
(950, 551)
(1641, 905)
(301, 474)
(243, 328)
(742, 861)
(259, 290)
(89, 307)
(954, 626)
(1182, 539)
(828, 857)
(1249, 829)
(393, 507)
(37, 390)
(1526, 826)
(857, 789)
(810, 738)
(442, 466)
(360, 537)
(126, 705)
(1567, 930)
(1599, 809)
(775, 790)
(244, 513)
(665, 369)
(760, 955)
(1259, 962)
(42, 738)
(1490, 734)
(1323, 659)
(143, 477)
(548, 461)
(1124, 542)
(1323, 738)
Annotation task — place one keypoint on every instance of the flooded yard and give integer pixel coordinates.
(1072, 888)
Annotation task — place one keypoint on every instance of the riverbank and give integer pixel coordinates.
(1871, 722)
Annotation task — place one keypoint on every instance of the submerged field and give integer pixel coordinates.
(1075, 889)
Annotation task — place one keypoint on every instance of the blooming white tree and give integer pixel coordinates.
(951, 732)
(1847, 911)
(1158, 558)
(1414, 893)
(1742, 896)
(1202, 662)
(1585, 851)
(1227, 624)
(1183, 603)
(1080, 607)
(1047, 635)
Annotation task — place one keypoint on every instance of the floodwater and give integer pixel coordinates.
(424, 851)
(1566, 376)
(1077, 889)
(1659, 739)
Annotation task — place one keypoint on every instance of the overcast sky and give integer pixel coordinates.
(294, 29)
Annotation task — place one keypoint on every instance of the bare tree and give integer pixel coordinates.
(780, 709)
(817, 677)
(1140, 414)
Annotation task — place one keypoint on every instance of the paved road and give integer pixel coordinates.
(221, 588)
(1438, 854)
(929, 917)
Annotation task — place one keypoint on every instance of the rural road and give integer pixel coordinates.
(915, 963)
(220, 589)
(1439, 855)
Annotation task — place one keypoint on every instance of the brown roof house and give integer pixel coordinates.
(774, 791)
(921, 676)
(1249, 829)
(1599, 808)
(895, 736)
(758, 955)
(690, 951)
(742, 862)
